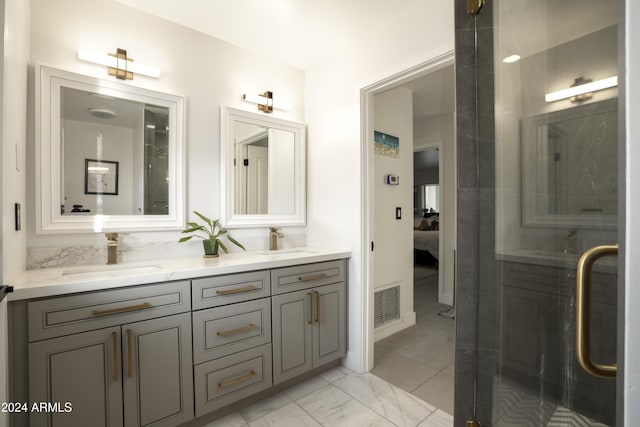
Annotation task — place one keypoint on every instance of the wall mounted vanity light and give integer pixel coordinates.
(266, 102)
(582, 89)
(119, 64)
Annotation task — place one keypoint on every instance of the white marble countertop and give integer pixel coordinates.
(58, 281)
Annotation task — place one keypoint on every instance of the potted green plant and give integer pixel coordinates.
(211, 234)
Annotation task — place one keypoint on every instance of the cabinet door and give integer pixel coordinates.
(157, 371)
(82, 369)
(329, 331)
(291, 334)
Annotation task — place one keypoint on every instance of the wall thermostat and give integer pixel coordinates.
(393, 179)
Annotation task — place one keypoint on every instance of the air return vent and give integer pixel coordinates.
(387, 305)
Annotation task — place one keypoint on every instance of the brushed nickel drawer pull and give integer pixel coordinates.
(115, 356)
(312, 277)
(237, 380)
(121, 309)
(247, 328)
(129, 356)
(310, 308)
(237, 290)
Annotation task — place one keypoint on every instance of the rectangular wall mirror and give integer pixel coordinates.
(262, 170)
(569, 166)
(109, 155)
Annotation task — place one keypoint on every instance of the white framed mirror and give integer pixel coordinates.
(262, 170)
(569, 164)
(109, 155)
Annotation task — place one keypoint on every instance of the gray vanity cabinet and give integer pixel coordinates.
(309, 325)
(82, 369)
(231, 338)
(137, 372)
(157, 371)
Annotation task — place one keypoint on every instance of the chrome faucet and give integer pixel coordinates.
(112, 246)
(274, 233)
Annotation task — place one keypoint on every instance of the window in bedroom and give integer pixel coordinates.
(431, 198)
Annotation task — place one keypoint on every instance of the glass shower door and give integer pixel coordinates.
(554, 171)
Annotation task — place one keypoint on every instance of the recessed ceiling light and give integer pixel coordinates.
(511, 58)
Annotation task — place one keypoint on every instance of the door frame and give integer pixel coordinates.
(367, 94)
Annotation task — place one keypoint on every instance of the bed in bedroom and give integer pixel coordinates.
(426, 240)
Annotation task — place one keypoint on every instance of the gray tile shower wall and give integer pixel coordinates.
(476, 200)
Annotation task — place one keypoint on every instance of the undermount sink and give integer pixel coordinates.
(113, 268)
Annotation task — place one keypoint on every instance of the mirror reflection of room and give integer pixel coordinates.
(114, 155)
(264, 170)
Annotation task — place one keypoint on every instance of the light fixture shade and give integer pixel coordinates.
(582, 89)
(111, 61)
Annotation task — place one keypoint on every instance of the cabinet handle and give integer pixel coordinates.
(121, 309)
(312, 277)
(237, 380)
(583, 311)
(129, 356)
(115, 356)
(247, 328)
(310, 308)
(237, 290)
(317, 306)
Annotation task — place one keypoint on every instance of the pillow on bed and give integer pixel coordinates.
(417, 221)
(422, 226)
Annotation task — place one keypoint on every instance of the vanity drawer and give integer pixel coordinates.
(306, 276)
(54, 317)
(221, 290)
(231, 378)
(225, 330)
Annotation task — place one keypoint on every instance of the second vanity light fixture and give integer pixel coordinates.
(119, 64)
(582, 89)
(266, 103)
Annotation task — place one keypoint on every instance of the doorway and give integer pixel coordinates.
(417, 109)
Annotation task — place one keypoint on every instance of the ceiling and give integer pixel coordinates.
(295, 32)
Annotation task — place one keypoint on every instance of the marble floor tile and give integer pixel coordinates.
(231, 420)
(332, 407)
(302, 389)
(264, 407)
(438, 419)
(451, 369)
(289, 415)
(393, 403)
(336, 373)
(399, 370)
(438, 391)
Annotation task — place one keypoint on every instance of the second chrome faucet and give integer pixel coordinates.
(274, 233)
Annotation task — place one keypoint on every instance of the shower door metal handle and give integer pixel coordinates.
(583, 311)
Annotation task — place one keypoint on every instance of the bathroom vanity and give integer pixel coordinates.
(165, 342)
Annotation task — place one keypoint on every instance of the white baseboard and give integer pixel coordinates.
(407, 320)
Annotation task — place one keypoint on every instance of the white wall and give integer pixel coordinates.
(14, 15)
(393, 255)
(335, 170)
(117, 145)
(208, 71)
